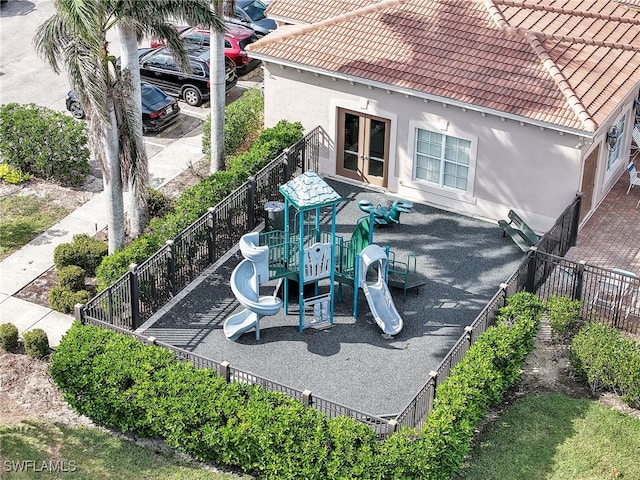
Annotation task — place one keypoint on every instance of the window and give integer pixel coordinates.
(442, 160)
(615, 149)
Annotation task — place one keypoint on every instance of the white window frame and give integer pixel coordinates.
(438, 188)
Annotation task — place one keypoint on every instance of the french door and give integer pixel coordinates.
(363, 147)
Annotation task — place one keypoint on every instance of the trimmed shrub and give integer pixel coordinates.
(36, 343)
(159, 204)
(45, 143)
(8, 337)
(84, 251)
(243, 120)
(71, 278)
(600, 355)
(13, 175)
(64, 300)
(564, 315)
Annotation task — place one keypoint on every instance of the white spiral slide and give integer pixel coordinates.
(377, 294)
(245, 284)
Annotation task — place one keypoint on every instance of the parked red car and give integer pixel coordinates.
(236, 39)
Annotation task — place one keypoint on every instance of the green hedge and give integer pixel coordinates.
(64, 299)
(564, 317)
(243, 119)
(121, 383)
(195, 200)
(45, 143)
(84, 251)
(36, 343)
(8, 337)
(600, 355)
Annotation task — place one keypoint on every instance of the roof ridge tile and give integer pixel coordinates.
(560, 80)
(288, 31)
(574, 13)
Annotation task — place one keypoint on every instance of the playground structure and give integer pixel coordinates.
(383, 215)
(308, 257)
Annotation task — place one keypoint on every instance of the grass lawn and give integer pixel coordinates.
(23, 218)
(86, 453)
(553, 437)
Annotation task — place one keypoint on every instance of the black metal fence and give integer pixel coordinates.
(145, 288)
(609, 295)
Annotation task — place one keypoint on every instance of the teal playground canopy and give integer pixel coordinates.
(309, 191)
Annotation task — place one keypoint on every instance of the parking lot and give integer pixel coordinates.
(25, 78)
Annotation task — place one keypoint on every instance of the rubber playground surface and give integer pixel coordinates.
(463, 261)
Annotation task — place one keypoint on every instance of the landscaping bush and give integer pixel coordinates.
(124, 384)
(72, 278)
(563, 314)
(13, 175)
(195, 201)
(64, 300)
(600, 355)
(36, 343)
(45, 143)
(159, 204)
(84, 251)
(8, 337)
(243, 120)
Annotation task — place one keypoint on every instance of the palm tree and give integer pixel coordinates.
(135, 20)
(76, 37)
(218, 91)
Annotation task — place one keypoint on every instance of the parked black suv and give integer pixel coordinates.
(158, 67)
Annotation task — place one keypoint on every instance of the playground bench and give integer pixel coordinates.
(403, 274)
(522, 235)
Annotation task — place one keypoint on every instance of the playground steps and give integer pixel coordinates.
(403, 275)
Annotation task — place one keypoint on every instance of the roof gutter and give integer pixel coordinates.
(424, 96)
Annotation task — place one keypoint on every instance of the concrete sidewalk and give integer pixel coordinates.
(24, 266)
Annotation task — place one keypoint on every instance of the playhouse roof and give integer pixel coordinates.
(308, 191)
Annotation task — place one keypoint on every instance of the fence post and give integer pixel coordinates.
(225, 372)
(78, 313)
(211, 235)
(434, 374)
(285, 163)
(573, 238)
(577, 286)
(171, 266)
(251, 207)
(135, 296)
(503, 288)
(392, 426)
(307, 398)
(531, 270)
(468, 331)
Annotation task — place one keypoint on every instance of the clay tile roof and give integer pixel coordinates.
(560, 62)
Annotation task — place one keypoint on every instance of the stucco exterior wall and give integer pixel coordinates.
(535, 171)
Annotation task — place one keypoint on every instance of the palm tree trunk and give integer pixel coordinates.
(218, 94)
(113, 183)
(137, 173)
